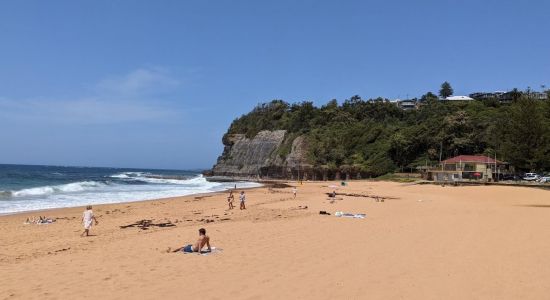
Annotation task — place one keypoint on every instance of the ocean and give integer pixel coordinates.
(27, 188)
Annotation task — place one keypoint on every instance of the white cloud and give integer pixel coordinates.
(136, 96)
(138, 82)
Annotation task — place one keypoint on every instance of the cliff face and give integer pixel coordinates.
(261, 156)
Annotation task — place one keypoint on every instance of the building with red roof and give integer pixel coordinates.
(471, 159)
(468, 167)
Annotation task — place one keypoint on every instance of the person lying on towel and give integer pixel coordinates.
(199, 244)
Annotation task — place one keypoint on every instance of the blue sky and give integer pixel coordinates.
(156, 83)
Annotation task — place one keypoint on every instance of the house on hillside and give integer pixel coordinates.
(458, 98)
(507, 97)
(468, 167)
(538, 95)
(408, 104)
(487, 96)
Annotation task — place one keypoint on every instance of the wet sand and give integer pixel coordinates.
(422, 242)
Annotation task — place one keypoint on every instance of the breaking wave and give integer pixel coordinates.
(115, 188)
(64, 188)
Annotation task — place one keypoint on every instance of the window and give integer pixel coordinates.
(450, 167)
(469, 167)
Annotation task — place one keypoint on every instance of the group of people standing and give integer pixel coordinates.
(242, 199)
(231, 198)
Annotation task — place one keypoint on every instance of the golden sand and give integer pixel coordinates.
(422, 242)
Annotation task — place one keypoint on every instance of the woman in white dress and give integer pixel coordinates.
(87, 218)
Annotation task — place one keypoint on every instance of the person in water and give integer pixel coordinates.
(203, 240)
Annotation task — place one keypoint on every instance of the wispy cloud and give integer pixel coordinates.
(132, 97)
(138, 83)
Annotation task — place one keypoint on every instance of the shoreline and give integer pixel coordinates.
(263, 183)
(39, 211)
(267, 183)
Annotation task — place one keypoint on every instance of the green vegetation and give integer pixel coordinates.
(395, 178)
(375, 137)
(286, 146)
(446, 90)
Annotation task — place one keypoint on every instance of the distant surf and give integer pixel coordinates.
(27, 188)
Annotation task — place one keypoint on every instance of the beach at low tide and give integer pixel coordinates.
(421, 242)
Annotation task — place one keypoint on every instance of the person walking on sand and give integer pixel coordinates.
(87, 218)
(242, 199)
(294, 190)
(230, 199)
(199, 244)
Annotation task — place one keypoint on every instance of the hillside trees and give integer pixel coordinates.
(527, 139)
(377, 137)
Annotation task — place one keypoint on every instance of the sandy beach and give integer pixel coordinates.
(422, 242)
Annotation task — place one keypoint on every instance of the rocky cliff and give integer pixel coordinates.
(273, 154)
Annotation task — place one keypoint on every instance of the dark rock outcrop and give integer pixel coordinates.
(274, 154)
(262, 155)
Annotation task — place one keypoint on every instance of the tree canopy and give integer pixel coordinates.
(446, 90)
(377, 137)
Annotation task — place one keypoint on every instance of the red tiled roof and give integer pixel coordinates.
(471, 159)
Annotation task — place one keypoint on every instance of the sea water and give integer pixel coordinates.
(26, 188)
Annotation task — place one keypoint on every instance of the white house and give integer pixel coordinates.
(458, 98)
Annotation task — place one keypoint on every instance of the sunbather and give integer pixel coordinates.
(199, 244)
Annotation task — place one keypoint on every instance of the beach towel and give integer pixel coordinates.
(349, 215)
(213, 250)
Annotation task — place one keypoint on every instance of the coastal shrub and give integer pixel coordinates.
(284, 150)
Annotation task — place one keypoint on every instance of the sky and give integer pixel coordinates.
(156, 84)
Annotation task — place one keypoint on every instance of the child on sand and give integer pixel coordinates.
(294, 191)
(242, 199)
(230, 199)
(87, 218)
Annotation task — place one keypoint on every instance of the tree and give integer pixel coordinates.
(428, 96)
(526, 142)
(515, 94)
(446, 90)
(457, 133)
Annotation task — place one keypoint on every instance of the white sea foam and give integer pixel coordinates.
(158, 179)
(125, 175)
(93, 192)
(198, 181)
(64, 188)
